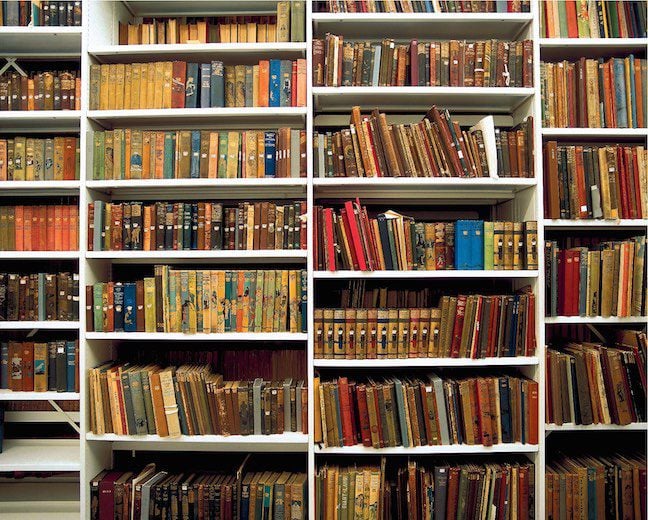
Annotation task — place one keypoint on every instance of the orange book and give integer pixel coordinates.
(301, 83)
(77, 94)
(19, 224)
(34, 236)
(127, 153)
(264, 83)
(50, 246)
(572, 19)
(147, 229)
(239, 306)
(74, 228)
(159, 155)
(27, 224)
(58, 223)
(146, 154)
(42, 228)
(30, 94)
(212, 172)
(65, 228)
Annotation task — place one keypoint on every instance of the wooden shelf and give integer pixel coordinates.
(216, 336)
(153, 189)
(285, 442)
(416, 275)
(47, 325)
(452, 449)
(40, 455)
(248, 117)
(426, 362)
(420, 99)
(222, 51)
(54, 42)
(220, 256)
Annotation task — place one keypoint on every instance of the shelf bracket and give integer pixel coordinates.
(65, 415)
(11, 64)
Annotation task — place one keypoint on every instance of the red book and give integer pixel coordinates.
(51, 244)
(329, 262)
(35, 229)
(351, 222)
(19, 227)
(414, 72)
(179, 75)
(453, 492)
(381, 437)
(303, 227)
(363, 416)
(69, 158)
(575, 282)
(523, 492)
(572, 19)
(530, 339)
(27, 229)
(458, 327)
(65, 228)
(532, 434)
(74, 228)
(347, 215)
(345, 411)
(107, 495)
(28, 367)
(562, 282)
(353, 399)
(637, 185)
(580, 182)
(58, 228)
(492, 326)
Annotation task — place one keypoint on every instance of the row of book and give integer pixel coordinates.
(191, 400)
(32, 159)
(174, 226)
(39, 228)
(155, 493)
(50, 90)
(594, 93)
(453, 63)
(392, 241)
(605, 279)
(39, 367)
(460, 489)
(585, 182)
(40, 13)
(420, 6)
(435, 147)
(572, 19)
(589, 383)
(131, 153)
(435, 411)
(178, 84)
(192, 301)
(287, 25)
(596, 485)
(472, 326)
(39, 297)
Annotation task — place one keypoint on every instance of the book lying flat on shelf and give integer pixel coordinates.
(31, 159)
(451, 63)
(205, 301)
(197, 226)
(132, 153)
(202, 402)
(39, 228)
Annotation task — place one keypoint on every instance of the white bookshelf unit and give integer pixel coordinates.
(510, 198)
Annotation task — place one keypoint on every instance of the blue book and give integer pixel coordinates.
(398, 387)
(501, 6)
(463, 249)
(217, 86)
(195, 155)
(191, 87)
(270, 152)
(194, 226)
(591, 493)
(4, 365)
(428, 7)
(285, 94)
(205, 85)
(118, 308)
(620, 93)
(633, 92)
(228, 301)
(70, 354)
(505, 409)
(477, 245)
(513, 325)
(130, 307)
(275, 83)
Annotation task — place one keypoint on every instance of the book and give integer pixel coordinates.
(419, 6)
(37, 13)
(23, 158)
(39, 228)
(390, 63)
(51, 90)
(594, 93)
(177, 77)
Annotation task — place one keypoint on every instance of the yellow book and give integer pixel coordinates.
(118, 157)
(120, 71)
(241, 37)
(255, 85)
(136, 73)
(40, 367)
(150, 85)
(149, 305)
(166, 88)
(261, 33)
(239, 86)
(281, 301)
(294, 299)
(103, 87)
(232, 154)
(212, 170)
(112, 87)
(260, 154)
(143, 87)
(193, 317)
(170, 404)
(251, 32)
(206, 301)
(128, 81)
(251, 154)
(30, 144)
(283, 21)
(158, 85)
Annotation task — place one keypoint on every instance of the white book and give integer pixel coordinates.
(487, 128)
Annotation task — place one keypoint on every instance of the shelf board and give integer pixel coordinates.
(40, 121)
(558, 224)
(47, 325)
(595, 133)
(236, 257)
(39, 188)
(594, 320)
(452, 189)
(420, 99)
(451, 274)
(36, 455)
(216, 336)
(226, 52)
(8, 395)
(571, 427)
(423, 25)
(152, 189)
(551, 48)
(61, 42)
(257, 117)
(51, 416)
(285, 442)
(457, 449)
(426, 362)
(38, 255)
(200, 8)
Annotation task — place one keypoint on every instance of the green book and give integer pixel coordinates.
(463, 493)
(169, 154)
(222, 155)
(118, 153)
(42, 314)
(148, 402)
(562, 19)
(48, 162)
(297, 21)
(97, 292)
(39, 157)
(137, 398)
(136, 154)
(98, 156)
(488, 246)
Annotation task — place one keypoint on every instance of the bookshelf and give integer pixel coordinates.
(513, 198)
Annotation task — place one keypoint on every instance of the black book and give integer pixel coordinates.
(61, 367)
